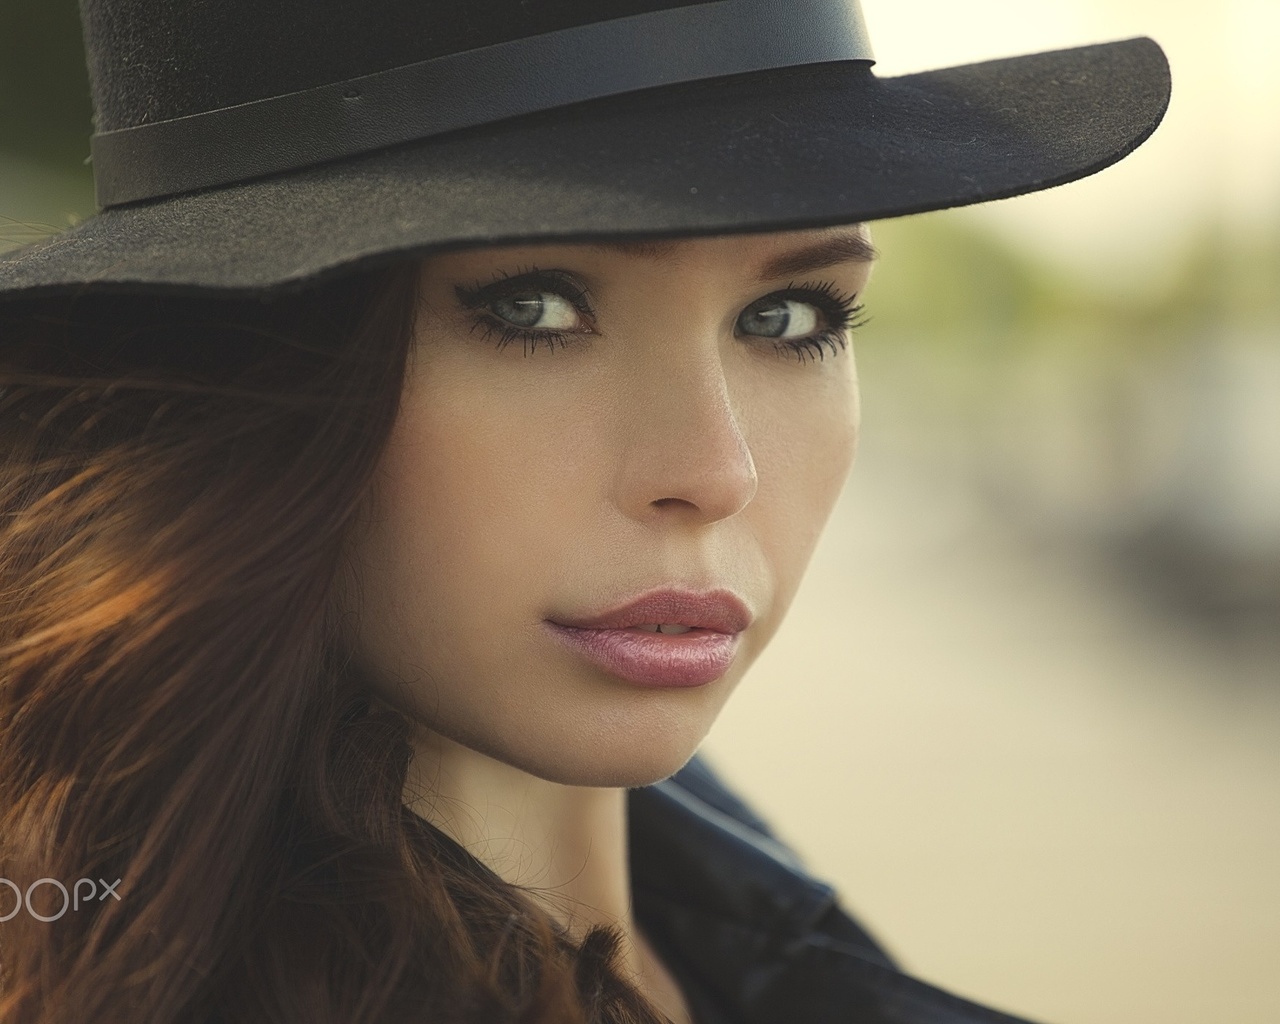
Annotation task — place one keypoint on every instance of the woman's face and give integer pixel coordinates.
(585, 425)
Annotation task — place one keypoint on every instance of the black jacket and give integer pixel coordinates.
(753, 938)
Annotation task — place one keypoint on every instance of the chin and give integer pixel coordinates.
(628, 774)
(628, 753)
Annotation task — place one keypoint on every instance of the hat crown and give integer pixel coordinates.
(153, 60)
(218, 110)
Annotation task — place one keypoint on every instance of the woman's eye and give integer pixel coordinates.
(536, 310)
(806, 321)
(779, 318)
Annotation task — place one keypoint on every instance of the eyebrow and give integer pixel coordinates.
(849, 248)
(844, 248)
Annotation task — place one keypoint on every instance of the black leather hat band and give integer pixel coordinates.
(462, 90)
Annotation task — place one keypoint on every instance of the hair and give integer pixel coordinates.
(179, 480)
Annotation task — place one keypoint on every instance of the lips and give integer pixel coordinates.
(698, 648)
(718, 611)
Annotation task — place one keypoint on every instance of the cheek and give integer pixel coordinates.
(803, 444)
(472, 517)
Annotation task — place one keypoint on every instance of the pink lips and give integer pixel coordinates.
(700, 656)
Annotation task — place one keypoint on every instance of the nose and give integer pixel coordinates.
(684, 450)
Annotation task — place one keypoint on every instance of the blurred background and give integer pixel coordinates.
(1026, 710)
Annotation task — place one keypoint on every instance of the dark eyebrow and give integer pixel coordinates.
(640, 248)
(845, 248)
(828, 253)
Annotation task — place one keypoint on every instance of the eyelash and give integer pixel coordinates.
(842, 312)
(481, 295)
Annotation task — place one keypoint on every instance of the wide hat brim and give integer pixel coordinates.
(799, 147)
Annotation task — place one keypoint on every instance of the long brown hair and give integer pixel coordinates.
(178, 479)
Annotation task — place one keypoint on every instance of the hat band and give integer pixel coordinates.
(475, 87)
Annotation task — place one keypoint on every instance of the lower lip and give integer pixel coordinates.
(695, 658)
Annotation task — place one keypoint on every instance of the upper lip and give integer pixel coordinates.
(717, 610)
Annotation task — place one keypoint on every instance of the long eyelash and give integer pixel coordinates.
(559, 281)
(506, 334)
(482, 293)
(843, 312)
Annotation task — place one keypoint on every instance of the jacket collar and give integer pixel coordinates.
(753, 936)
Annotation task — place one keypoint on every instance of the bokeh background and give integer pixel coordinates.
(1026, 710)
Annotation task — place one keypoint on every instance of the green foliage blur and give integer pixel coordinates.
(45, 120)
(946, 281)
(45, 110)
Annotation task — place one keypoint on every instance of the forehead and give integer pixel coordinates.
(772, 255)
(780, 254)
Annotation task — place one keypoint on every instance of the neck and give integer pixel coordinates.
(566, 845)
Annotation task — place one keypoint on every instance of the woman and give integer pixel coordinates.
(403, 469)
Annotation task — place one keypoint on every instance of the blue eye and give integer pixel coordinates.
(534, 307)
(806, 321)
(552, 308)
(540, 310)
(779, 318)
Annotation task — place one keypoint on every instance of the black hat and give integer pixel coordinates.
(243, 145)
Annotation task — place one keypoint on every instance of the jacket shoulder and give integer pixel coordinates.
(747, 928)
(693, 833)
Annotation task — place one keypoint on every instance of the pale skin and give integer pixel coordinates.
(662, 439)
